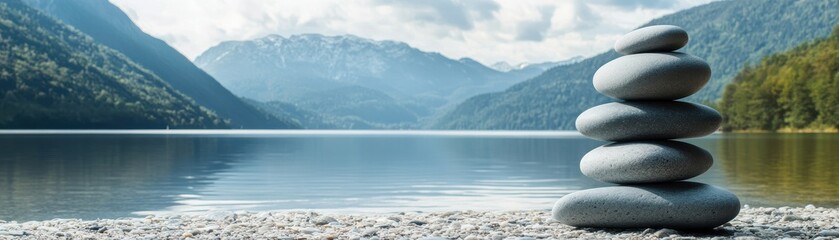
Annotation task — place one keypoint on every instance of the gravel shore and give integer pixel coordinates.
(753, 223)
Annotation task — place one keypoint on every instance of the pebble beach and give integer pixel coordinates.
(809, 222)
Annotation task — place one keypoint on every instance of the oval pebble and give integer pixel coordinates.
(658, 38)
(677, 205)
(645, 162)
(634, 121)
(652, 76)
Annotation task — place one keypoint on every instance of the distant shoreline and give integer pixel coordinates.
(350, 132)
(786, 130)
(752, 223)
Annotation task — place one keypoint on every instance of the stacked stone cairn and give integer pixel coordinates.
(648, 166)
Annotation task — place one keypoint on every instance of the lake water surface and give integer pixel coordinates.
(92, 175)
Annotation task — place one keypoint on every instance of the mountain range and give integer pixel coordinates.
(728, 34)
(85, 64)
(108, 25)
(382, 83)
(539, 67)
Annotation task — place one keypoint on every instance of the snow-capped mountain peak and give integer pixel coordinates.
(502, 67)
(543, 66)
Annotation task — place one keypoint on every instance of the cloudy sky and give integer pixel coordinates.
(487, 30)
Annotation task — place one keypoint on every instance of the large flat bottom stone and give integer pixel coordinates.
(678, 205)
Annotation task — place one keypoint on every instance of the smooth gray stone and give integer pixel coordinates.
(678, 205)
(659, 38)
(652, 76)
(645, 162)
(634, 121)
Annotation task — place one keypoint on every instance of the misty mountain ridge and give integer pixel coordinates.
(388, 66)
(542, 66)
(300, 69)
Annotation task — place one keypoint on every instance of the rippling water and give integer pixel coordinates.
(117, 174)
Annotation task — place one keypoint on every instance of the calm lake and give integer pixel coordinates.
(93, 175)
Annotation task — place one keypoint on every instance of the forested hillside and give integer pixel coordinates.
(109, 26)
(350, 107)
(310, 119)
(52, 76)
(794, 90)
(727, 34)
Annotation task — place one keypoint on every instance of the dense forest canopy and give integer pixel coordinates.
(794, 90)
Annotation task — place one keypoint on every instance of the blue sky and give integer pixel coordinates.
(487, 30)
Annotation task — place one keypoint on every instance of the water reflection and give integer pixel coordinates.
(782, 169)
(106, 176)
(398, 174)
(73, 176)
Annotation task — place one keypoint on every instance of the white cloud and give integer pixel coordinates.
(488, 31)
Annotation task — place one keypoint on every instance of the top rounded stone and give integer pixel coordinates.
(659, 38)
